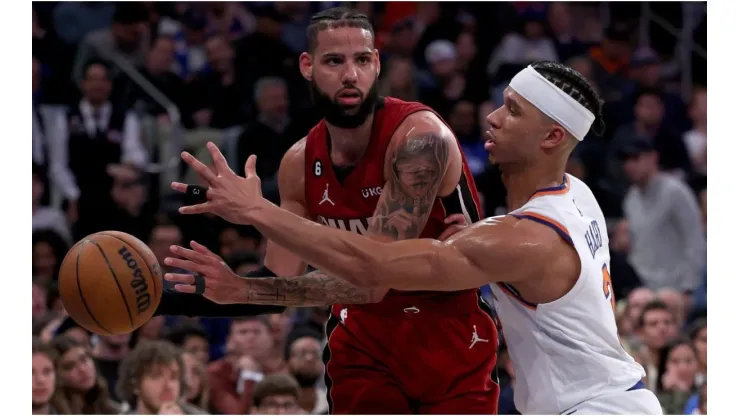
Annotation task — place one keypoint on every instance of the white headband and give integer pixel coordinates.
(553, 101)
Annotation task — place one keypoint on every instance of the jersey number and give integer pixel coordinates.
(608, 290)
(317, 168)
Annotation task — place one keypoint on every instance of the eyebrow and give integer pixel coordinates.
(341, 55)
(512, 102)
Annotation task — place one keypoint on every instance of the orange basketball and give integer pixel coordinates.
(110, 283)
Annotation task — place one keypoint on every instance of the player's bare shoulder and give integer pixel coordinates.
(291, 175)
(424, 129)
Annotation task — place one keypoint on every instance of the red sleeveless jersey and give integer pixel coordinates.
(350, 204)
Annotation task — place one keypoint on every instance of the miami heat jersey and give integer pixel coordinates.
(349, 204)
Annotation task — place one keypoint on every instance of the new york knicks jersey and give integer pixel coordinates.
(567, 351)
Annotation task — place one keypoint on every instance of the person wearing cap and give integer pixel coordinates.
(668, 248)
(611, 59)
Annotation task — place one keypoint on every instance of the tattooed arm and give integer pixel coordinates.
(313, 289)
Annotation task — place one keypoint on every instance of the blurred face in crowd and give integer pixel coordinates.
(400, 74)
(197, 347)
(636, 301)
(698, 109)
(252, 338)
(649, 110)
(273, 101)
(682, 362)
(559, 18)
(44, 260)
(128, 35)
(281, 325)
(462, 119)
(278, 404)
(96, 85)
(658, 326)
(700, 345)
(43, 378)
(647, 75)
(159, 385)
(466, 48)
(77, 370)
(403, 40)
(231, 242)
(162, 238)
(219, 53)
(534, 29)
(639, 168)
(517, 130)
(342, 72)
(305, 361)
(38, 303)
(78, 334)
(620, 241)
(583, 66)
(675, 302)
(161, 55)
(193, 376)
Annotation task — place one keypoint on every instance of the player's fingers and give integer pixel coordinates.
(200, 248)
(204, 208)
(456, 219)
(179, 187)
(219, 161)
(250, 168)
(190, 254)
(186, 279)
(185, 288)
(450, 231)
(202, 170)
(188, 265)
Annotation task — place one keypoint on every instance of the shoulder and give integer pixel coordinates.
(291, 174)
(424, 127)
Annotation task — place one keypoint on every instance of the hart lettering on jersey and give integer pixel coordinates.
(372, 191)
(356, 225)
(593, 238)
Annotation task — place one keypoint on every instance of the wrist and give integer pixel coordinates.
(260, 212)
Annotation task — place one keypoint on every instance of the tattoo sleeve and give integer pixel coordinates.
(419, 164)
(313, 289)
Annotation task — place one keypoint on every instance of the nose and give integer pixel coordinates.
(494, 118)
(349, 77)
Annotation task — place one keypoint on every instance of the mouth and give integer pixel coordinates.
(40, 392)
(349, 97)
(490, 144)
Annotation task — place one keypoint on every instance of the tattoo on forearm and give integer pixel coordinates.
(313, 289)
(407, 200)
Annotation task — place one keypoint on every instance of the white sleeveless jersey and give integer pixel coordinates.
(567, 351)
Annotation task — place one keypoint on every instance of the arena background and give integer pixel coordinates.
(177, 75)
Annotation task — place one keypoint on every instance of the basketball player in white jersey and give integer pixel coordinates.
(547, 261)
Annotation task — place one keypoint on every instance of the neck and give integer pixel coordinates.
(142, 409)
(643, 184)
(701, 127)
(95, 104)
(106, 352)
(41, 409)
(307, 398)
(523, 181)
(646, 129)
(654, 356)
(349, 145)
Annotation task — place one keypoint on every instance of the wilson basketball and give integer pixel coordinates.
(110, 283)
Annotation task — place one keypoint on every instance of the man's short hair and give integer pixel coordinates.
(653, 305)
(279, 384)
(146, 356)
(257, 318)
(179, 333)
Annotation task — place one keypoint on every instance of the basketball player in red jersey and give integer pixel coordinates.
(391, 170)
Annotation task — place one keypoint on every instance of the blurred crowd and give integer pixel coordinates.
(120, 88)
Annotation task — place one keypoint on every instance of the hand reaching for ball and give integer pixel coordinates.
(221, 284)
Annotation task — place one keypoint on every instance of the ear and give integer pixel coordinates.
(305, 64)
(556, 136)
(376, 57)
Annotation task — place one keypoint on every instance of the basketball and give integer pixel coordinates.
(110, 283)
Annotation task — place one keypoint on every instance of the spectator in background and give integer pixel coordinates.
(196, 381)
(677, 372)
(192, 338)
(303, 354)
(152, 380)
(520, 49)
(230, 20)
(99, 133)
(275, 395)
(398, 79)
(443, 85)
(108, 353)
(654, 327)
(611, 59)
(74, 20)
(44, 217)
(696, 138)
(82, 388)
(234, 239)
(49, 249)
(131, 211)
(127, 38)
(45, 398)
(472, 67)
(218, 98)
(624, 278)
(164, 235)
(463, 122)
(401, 41)
(67, 327)
(158, 70)
(668, 247)
(38, 301)
(698, 335)
(560, 20)
(677, 302)
(189, 35)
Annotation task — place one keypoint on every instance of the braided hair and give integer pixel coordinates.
(334, 18)
(575, 85)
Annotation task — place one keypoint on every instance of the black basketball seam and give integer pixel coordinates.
(79, 288)
(120, 289)
(145, 262)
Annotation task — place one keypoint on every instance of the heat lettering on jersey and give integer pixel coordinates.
(355, 225)
(593, 238)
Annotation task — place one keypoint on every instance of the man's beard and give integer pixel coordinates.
(335, 113)
(306, 380)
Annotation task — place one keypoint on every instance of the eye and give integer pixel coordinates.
(333, 61)
(512, 111)
(363, 60)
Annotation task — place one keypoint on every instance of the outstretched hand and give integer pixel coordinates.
(221, 284)
(229, 196)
